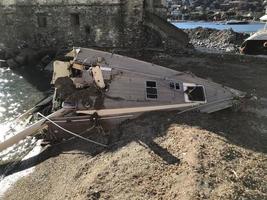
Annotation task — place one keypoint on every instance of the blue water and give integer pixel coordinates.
(242, 28)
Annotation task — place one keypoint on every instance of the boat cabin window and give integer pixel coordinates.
(151, 90)
(194, 93)
(174, 85)
(177, 86)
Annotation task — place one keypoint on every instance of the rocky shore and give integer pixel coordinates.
(24, 56)
(212, 39)
(221, 40)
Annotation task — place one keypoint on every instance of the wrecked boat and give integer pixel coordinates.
(96, 89)
(255, 44)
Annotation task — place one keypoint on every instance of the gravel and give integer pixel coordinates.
(225, 40)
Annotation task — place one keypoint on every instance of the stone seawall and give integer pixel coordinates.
(107, 24)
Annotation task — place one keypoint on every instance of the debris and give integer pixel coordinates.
(130, 169)
(225, 40)
(255, 44)
(120, 88)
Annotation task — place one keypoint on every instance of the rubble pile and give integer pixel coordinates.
(226, 40)
(25, 56)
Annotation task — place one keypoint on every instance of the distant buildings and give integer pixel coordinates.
(213, 10)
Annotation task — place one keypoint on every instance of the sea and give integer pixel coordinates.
(240, 28)
(17, 95)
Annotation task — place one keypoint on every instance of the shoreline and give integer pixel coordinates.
(240, 28)
(215, 149)
(215, 22)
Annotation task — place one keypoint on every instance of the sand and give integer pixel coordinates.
(165, 155)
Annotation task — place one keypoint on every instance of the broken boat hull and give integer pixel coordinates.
(254, 47)
(256, 44)
(103, 89)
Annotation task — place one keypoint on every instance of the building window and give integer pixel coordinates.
(75, 19)
(87, 29)
(174, 85)
(42, 20)
(151, 90)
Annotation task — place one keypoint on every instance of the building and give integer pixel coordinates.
(90, 23)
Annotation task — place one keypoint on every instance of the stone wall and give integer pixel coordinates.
(165, 35)
(133, 15)
(87, 23)
(55, 23)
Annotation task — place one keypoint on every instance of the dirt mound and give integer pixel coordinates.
(226, 40)
(159, 156)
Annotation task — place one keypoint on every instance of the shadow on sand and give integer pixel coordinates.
(238, 128)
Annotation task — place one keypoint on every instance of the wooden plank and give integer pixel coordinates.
(123, 111)
(29, 131)
(78, 66)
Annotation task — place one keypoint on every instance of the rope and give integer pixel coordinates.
(72, 133)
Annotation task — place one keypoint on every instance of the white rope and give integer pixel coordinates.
(74, 134)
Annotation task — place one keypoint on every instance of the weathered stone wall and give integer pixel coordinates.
(165, 35)
(133, 15)
(61, 23)
(88, 23)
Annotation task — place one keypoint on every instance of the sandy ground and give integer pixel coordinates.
(165, 155)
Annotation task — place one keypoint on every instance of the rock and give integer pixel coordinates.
(21, 59)
(230, 49)
(12, 63)
(29, 57)
(2, 54)
(225, 40)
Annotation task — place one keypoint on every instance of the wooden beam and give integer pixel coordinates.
(123, 111)
(29, 131)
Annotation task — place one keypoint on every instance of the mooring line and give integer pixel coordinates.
(72, 133)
